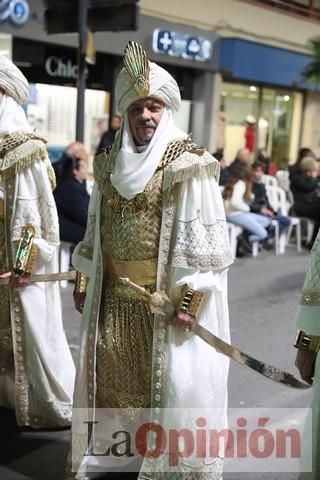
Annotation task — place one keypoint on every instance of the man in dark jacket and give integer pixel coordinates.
(72, 199)
(242, 158)
(107, 138)
(261, 204)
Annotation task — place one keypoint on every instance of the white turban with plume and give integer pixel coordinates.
(161, 86)
(12, 81)
(137, 80)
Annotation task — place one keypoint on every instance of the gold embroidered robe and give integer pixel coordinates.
(184, 235)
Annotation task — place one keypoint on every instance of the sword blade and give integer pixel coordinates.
(268, 371)
(159, 302)
(46, 277)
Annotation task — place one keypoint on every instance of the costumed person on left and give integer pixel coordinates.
(36, 366)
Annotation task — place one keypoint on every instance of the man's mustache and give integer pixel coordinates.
(147, 124)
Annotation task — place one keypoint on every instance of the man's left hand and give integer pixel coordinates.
(184, 321)
(305, 362)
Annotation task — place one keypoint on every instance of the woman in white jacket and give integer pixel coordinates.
(237, 197)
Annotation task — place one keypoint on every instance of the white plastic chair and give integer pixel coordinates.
(269, 180)
(277, 199)
(234, 231)
(65, 252)
(255, 248)
(282, 177)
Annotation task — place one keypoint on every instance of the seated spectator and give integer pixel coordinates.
(223, 168)
(306, 193)
(260, 204)
(242, 159)
(237, 197)
(303, 153)
(72, 199)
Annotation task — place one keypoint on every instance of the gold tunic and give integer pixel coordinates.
(6, 352)
(130, 233)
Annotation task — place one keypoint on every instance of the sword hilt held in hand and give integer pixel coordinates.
(26, 252)
(159, 303)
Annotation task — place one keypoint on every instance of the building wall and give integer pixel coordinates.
(311, 132)
(238, 19)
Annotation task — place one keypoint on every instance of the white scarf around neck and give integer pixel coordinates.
(133, 170)
(12, 117)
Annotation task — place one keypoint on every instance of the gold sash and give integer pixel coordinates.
(142, 272)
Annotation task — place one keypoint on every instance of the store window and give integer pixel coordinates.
(51, 111)
(273, 114)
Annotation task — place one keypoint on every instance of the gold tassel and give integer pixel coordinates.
(39, 154)
(195, 167)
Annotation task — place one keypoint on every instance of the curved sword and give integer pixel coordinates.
(161, 304)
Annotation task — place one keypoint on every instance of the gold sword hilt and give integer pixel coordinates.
(26, 251)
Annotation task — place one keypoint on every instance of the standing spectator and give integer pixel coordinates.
(74, 149)
(260, 204)
(108, 137)
(237, 197)
(250, 133)
(72, 199)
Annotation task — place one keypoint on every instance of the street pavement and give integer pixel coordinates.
(263, 298)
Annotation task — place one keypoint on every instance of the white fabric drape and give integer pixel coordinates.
(133, 170)
(12, 117)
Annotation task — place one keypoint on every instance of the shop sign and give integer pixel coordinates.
(177, 44)
(57, 67)
(15, 11)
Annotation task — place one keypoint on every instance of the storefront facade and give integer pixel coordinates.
(266, 83)
(49, 63)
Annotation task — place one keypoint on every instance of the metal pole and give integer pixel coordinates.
(82, 24)
(259, 111)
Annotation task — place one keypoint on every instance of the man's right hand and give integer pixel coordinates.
(79, 299)
(267, 212)
(305, 362)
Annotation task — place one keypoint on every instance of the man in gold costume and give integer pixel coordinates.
(155, 216)
(36, 367)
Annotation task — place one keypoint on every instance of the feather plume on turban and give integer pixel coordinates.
(12, 81)
(141, 78)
